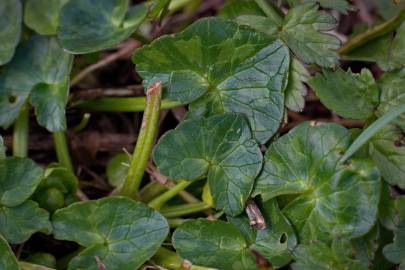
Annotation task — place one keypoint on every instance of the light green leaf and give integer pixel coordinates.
(351, 95)
(220, 66)
(116, 170)
(18, 223)
(340, 5)
(159, 7)
(319, 256)
(387, 148)
(303, 32)
(220, 147)
(10, 28)
(91, 25)
(392, 94)
(7, 259)
(215, 244)
(330, 199)
(43, 15)
(40, 68)
(19, 181)
(296, 89)
(122, 233)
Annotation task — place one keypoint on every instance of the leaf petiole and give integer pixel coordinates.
(62, 150)
(170, 260)
(159, 201)
(20, 133)
(186, 209)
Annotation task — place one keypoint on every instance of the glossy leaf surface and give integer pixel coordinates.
(331, 199)
(220, 66)
(10, 28)
(91, 25)
(122, 233)
(41, 69)
(220, 147)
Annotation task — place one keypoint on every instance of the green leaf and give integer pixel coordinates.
(351, 95)
(330, 199)
(159, 7)
(122, 233)
(320, 256)
(116, 170)
(7, 259)
(40, 68)
(10, 28)
(392, 94)
(259, 23)
(296, 89)
(27, 217)
(19, 181)
(395, 252)
(387, 148)
(215, 244)
(220, 147)
(303, 32)
(220, 67)
(236, 8)
(43, 15)
(340, 5)
(91, 25)
(388, 9)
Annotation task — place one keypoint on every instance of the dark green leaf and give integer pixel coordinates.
(320, 256)
(351, 95)
(331, 199)
(7, 259)
(40, 68)
(18, 223)
(116, 170)
(213, 244)
(122, 233)
(236, 8)
(392, 94)
(303, 32)
(221, 67)
(220, 147)
(91, 25)
(10, 28)
(340, 5)
(43, 15)
(395, 252)
(296, 89)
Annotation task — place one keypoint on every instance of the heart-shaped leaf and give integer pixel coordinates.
(351, 95)
(220, 147)
(91, 25)
(40, 68)
(43, 15)
(213, 244)
(10, 28)
(330, 199)
(117, 231)
(7, 259)
(220, 66)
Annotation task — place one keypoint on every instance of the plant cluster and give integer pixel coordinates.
(320, 196)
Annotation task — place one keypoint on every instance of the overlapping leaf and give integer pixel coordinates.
(10, 28)
(7, 259)
(43, 15)
(41, 69)
(340, 5)
(330, 199)
(351, 95)
(296, 90)
(220, 147)
(92, 25)
(120, 232)
(221, 67)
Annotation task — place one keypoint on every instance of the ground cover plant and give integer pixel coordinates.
(190, 134)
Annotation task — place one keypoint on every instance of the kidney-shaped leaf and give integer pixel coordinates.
(220, 147)
(10, 28)
(220, 66)
(7, 259)
(40, 68)
(120, 232)
(331, 199)
(91, 25)
(213, 244)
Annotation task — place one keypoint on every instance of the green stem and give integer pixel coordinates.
(20, 133)
(372, 33)
(151, 190)
(122, 104)
(170, 260)
(144, 144)
(62, 149)
(271, 11)
(186, 209)
(158, 202)
(175, 222)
